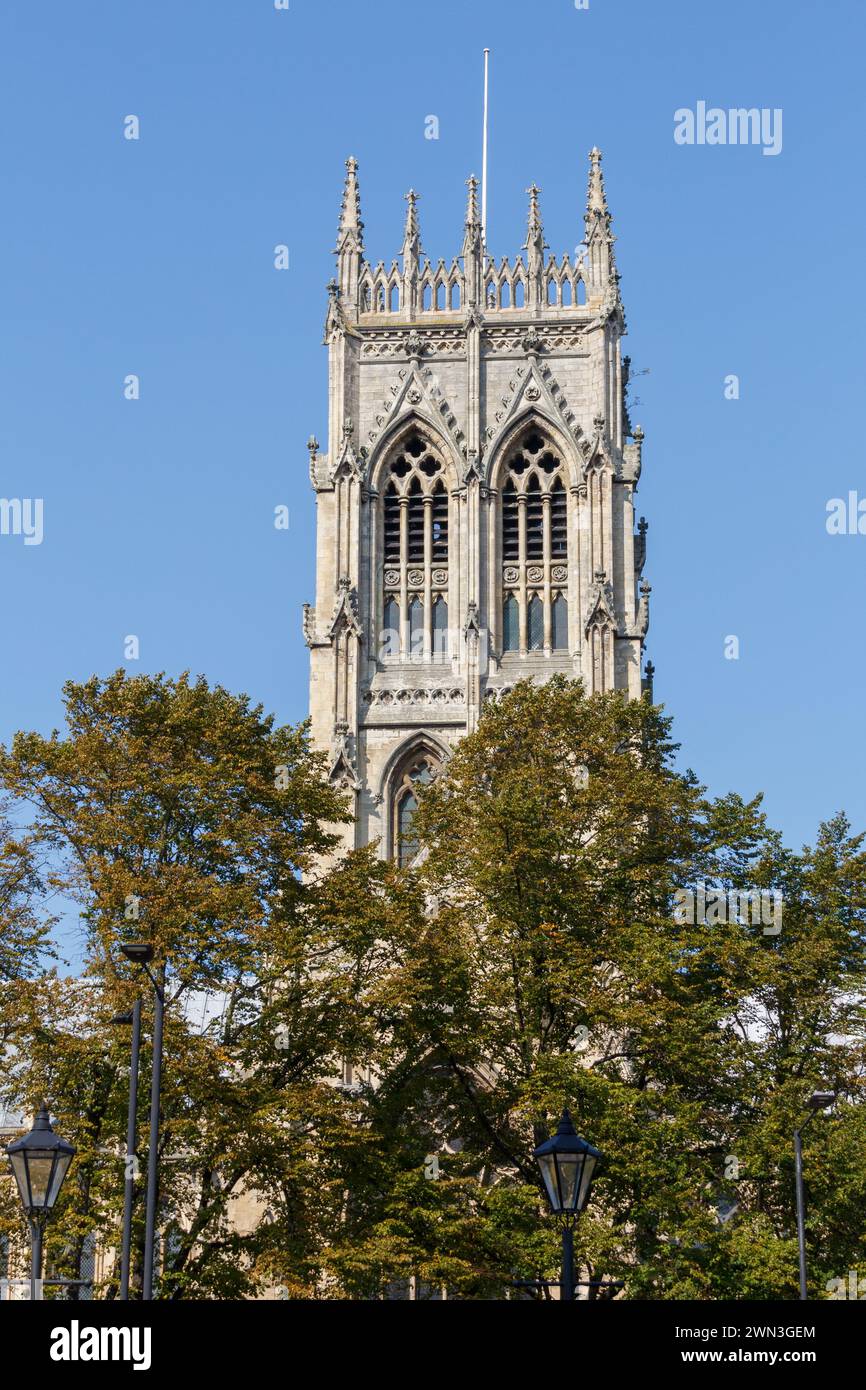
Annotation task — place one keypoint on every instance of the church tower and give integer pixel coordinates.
(475, 508)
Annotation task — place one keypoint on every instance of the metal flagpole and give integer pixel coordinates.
(484, 166)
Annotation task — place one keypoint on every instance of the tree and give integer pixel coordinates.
(179, 813)
(543, 963)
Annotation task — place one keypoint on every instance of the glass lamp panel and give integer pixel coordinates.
(40, 1171)
(19, 1168)
(548, 1172)
(586, 1178)
(61, 1165)
(569, 1179)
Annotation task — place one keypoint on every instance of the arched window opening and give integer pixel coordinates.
(407, 843)
(566, 294)
(536, 624)
(414, 546)
(510, 523)
(534, 517)
(558, 520)
(455, 296)
(559, 624)
(392, 523)
(419, 773)
(581, 292)
(534, 520)
(519, 294)
(440, 524)
(416, 523)
(505, 295)
(427, 298)
(390, 642)
(551, 291)
(511, 624)
(416, 626)
(440, 627)
(394, 299)
(440, 295)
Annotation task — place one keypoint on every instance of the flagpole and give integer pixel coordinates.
(484, 165)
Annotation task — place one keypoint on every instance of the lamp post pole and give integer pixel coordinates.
(142, 953)
(153, 1147)
(818, 1100)
(567, 1284)
(35, 1224)
(134, 1017)
(801, 1209)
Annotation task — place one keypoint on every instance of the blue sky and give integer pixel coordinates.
(155, 257)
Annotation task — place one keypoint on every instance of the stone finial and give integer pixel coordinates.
(473, 219)
(472, 248)
(596, 202)
(313, 445)
(351, 227)
(535, 235)
(411, 250)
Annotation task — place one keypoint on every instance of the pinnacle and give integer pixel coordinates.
(350, 208)
(595, 198)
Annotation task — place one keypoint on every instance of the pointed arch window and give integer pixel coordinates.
(511, 624)
(392, 524)
(417, 773)
(390, 643)
(559, 625)
(416, 626)
(536, 624)
(440, 627)
(510, 523)
(534, 519)
(440, 523)
(558, 520)
(415, 551)
(414, 541)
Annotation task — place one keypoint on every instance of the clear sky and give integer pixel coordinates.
(155, 257)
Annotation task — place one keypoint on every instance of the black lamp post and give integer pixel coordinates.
(568, 1165)
(818, 1100)
(141, 953)
(39, 1162)
(132, 1018)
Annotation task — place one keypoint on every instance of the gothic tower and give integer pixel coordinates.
(475, 509)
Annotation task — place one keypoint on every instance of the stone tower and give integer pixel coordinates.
(475, 508)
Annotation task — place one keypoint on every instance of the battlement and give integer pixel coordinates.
(415, 286)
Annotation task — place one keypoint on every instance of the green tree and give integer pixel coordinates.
(541, 963)
(179, 813)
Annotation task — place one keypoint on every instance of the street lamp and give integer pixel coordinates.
(39, 1162)
(818, 1100)
(568, 1165)
(141, 953)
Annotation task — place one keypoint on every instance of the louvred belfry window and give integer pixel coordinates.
(415, 531)
(534, 537)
